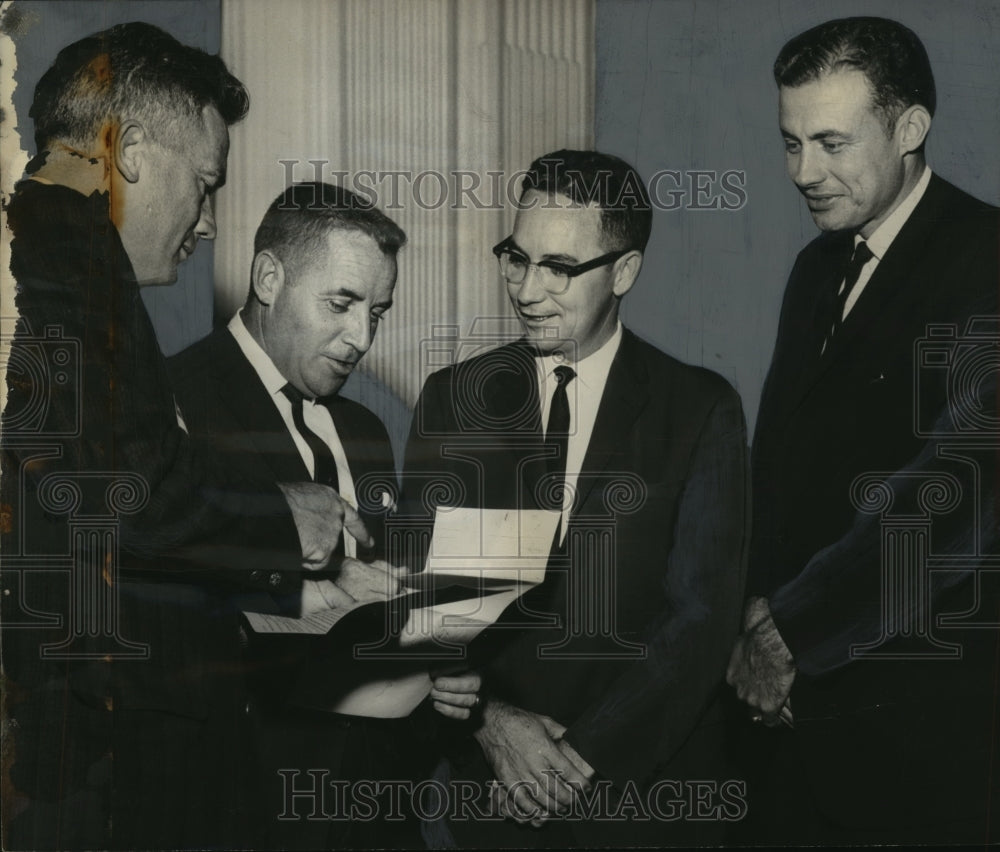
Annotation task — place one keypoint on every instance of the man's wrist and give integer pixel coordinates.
(490, 707)
(775, 644)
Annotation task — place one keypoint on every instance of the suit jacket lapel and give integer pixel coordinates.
(360, 450)
(625, 395)
(363, 451)
(511, 403)
(890, 275)
(892, 272)
(512, 393)
(262, 425)
(806, 358)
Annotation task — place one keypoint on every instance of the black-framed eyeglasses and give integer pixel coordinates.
(553, 276)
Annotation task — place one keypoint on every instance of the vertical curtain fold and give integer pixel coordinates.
(410, 101)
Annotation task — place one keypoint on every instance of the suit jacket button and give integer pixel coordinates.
(274, 579)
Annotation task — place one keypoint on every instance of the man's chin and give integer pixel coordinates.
(162, 278)
(831, 220)
(544, 339)
(553, 346)
(327, 388)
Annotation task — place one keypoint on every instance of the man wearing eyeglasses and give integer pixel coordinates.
(603, 686)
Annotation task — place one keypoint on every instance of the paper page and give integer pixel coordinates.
(457, 621)
(315, 624)
(493, 543)
(390, 698)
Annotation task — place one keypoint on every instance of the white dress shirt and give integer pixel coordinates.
(883, 236)
(316, 416)
(584, 395)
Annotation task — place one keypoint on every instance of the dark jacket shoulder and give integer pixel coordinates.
(663, 368)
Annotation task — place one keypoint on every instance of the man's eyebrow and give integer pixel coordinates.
(552, 258)
(818, 136)
(342, 291)
(828, 134)
(353, 296)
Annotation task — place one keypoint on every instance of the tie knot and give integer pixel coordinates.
(564, 375)
(862, 254)
(293, 394)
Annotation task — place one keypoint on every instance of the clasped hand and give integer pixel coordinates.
(540, 774)
(761, 668)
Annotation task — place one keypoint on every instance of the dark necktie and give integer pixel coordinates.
(324, 465)
(557, 430)
(862, 254)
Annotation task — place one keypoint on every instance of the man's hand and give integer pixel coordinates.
(320, 595)
(573, 756)
(525, 752)
(456, 695)
(362, 581)
(320, 515)
(761, 668)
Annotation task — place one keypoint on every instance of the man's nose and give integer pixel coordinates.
(358, 330)
(530, 290)
(205, 229)
(805, 168)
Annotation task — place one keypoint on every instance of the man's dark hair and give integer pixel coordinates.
(890, 56)
(590, 177)
(296, 225)
(135, 71)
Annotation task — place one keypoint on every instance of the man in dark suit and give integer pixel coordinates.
(608, 670)
(120, 540)
(261, 395)
(874, 462)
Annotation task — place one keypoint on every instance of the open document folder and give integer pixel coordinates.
(480, 561)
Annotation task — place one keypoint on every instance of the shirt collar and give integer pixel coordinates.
(592, 371)
(885, 233)
(258, 358)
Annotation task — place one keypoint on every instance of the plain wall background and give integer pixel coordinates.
(687, 85)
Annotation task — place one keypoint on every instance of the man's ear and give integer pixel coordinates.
(129, 148)
(267, 276)
(626, 270)
(912, 128)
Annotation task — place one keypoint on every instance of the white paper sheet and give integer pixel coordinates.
(497, 543)
(496, 554)
(316, 623)
(387, 698)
